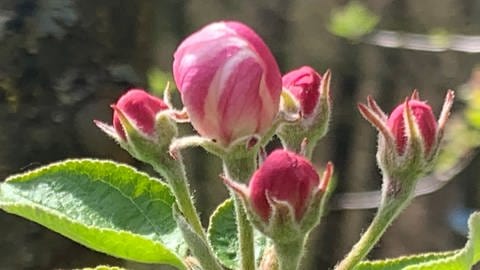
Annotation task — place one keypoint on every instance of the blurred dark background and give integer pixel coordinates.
(62, 62)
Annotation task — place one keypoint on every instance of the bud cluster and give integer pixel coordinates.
(235, 97)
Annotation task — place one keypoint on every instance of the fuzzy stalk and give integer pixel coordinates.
(395, 198)
(173, 170)
(289, 253)
(240, 168)
(292, 138)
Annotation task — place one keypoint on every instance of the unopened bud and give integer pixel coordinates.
(141, 125)
(141, 109)
(304, 85)
(284, 195)
(285, 177)
(229, 82)
(410, 137)
(307, 90)
(424, 119)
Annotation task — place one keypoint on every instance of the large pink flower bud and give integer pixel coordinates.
(141, 109)
(304, 84)
(284, 176)
(229, 81)
(424, 119)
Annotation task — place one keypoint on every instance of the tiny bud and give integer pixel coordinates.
(424, 119)
(284, 196)
(229, 82)
(307, 94)
(409, 138)
(140, 108)
(142, 125)
(284, 176)
(304, 84)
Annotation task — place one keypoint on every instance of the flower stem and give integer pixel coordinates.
(240, 168)
(290, 253)
(245, 235)
(393, 202)
(174, 172)
(293, 137)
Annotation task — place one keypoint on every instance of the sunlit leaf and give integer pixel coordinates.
(462, 259)
(105, 206)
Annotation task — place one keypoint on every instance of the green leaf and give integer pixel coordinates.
(105, 206)
(198, 245)
(223, 237)
(352, 21)
(462, 259)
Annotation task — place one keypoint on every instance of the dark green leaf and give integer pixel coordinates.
(197, 244)
(223, 237)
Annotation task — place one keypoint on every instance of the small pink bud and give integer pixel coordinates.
(410, 138)
(424, 118)
(229, 81)
(140, 108)
(304, 84)
(283, 176)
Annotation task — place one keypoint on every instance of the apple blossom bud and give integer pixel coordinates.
(142, 125)
(424, 119)
(409, 138)
(304, 84)
(284, 197)
(306, 94)
(141, 109)
(284, 176)
(229, 81)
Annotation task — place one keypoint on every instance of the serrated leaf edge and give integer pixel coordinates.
(437, 258)
(221, 207)
(23, 176)
(54, 214)
(38, 172)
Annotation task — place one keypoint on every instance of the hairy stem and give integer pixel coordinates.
(240, 168)
(393, 202)
(174, 172)
(290, 253)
